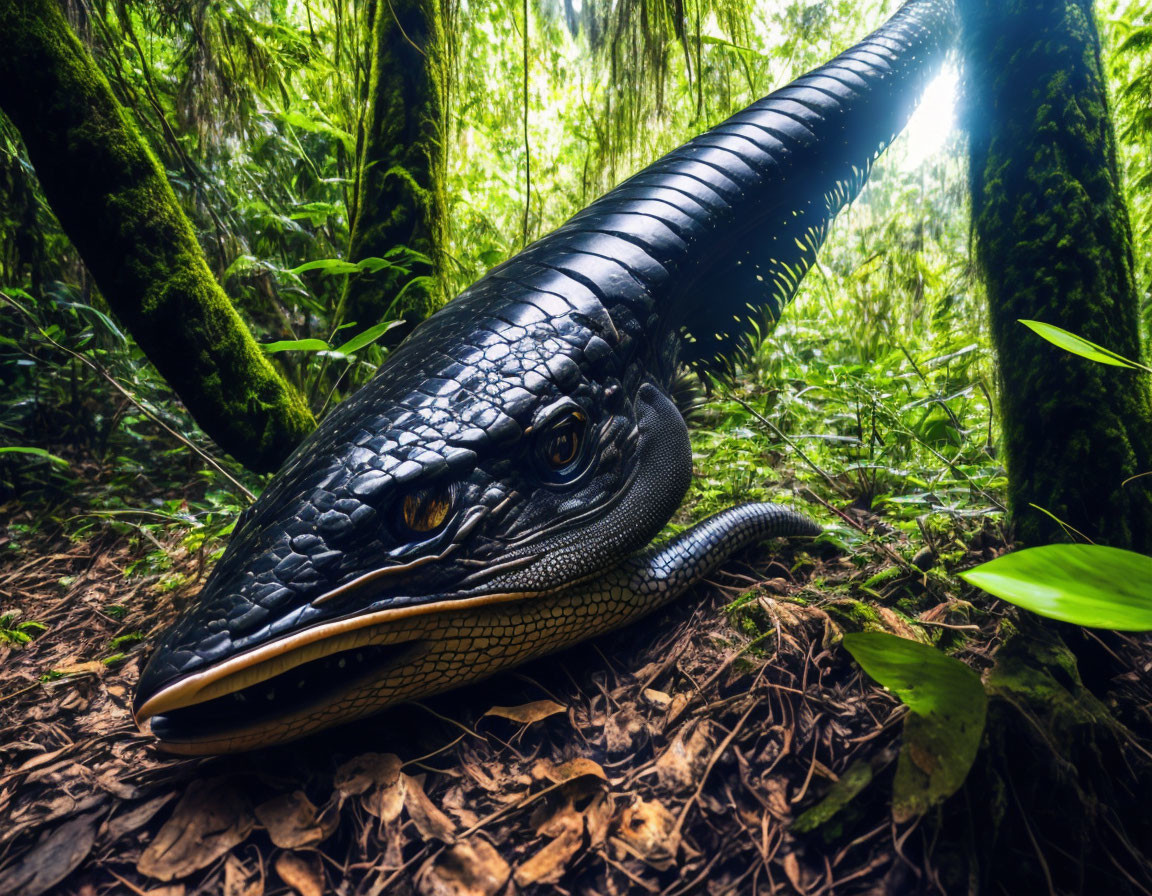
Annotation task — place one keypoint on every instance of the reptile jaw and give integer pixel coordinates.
(279, 686)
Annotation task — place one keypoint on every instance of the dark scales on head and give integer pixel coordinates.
(522, 442)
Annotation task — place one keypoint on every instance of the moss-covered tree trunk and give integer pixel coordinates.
(400, 169)
(113, 201)
(1053, 239)
(1057, 801)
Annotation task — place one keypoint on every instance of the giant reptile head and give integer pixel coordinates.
(482, 500)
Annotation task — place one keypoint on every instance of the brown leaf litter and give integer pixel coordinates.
(668, 758)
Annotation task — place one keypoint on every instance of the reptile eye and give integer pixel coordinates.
(424, 511)
(560, 446)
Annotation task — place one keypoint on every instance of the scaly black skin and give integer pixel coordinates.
(595, 318)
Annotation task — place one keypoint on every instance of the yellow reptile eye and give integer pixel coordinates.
(562, 448)
(560, 445)
(425, 511)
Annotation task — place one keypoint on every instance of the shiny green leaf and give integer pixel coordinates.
(1078, 345)
(36, 452)
(328, 266)
(296, 345)
(369, 336)
(1085, 584)
(947, 706)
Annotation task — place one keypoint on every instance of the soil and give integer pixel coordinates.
(669, 758)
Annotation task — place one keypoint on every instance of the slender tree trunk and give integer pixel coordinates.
(1053, 239)
(400, 200)
(114, 203)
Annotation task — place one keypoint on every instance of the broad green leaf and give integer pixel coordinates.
(316, 212)
(318, 126)
(404, 255)
(37, 452)
(947, 706)
(1085, 584)
(328, 266)
(241, 265)
(1078, 345)
(369, 336)
(296, 345)
(373, 263)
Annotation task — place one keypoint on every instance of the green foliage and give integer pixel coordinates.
(18, 633)
(945, 723)
(35, 452)
(850, 785)
(295, 345)
(1128, 54)
(1085, 584)
(1078, 345)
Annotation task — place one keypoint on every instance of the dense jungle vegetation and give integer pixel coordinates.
(341, 182)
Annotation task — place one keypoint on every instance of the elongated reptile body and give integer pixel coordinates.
(484, 498)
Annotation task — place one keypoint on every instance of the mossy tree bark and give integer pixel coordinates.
(114, 203)
(1057, 800)
(1054, 242)
(400, 169)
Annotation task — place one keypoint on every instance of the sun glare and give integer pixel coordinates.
(934, 119)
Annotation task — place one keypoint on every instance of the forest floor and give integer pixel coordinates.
(671, 757)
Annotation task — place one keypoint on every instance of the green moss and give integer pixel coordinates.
(1054, 243)
(854, 615)
(747, 615)
(840, 795)
(401, 169)
(115, 204)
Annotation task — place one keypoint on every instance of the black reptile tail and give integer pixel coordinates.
(724, 228)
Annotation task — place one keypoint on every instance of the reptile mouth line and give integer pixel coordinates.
(302, 687)
(287, 675)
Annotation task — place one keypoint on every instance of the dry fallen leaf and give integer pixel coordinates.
(386, 802)
(44, 758)
(129, 820)
(598, 818)
(645, 830)
(546, 865)
(376, 779)
(304, 875)
(109, 784)
(658, 699)
(567, 771)
(292, 821)
(528, 713)
(622, 730)
(792, 870)
(429, 820)
(676, 708)
(52, 859)
(361, 773)
(69, 667)
(469, 868)
(211, 818)
(679, 767)
(239, 881)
